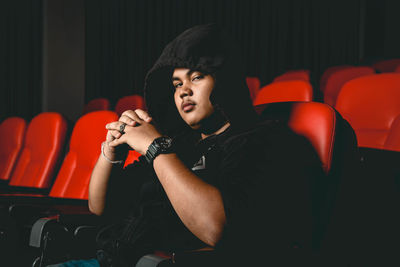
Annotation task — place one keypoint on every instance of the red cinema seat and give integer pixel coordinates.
(337, 79)
(12, 133)
(89, 132)
(41, 152)
(317, 122)
(303, 75)
(397, 69)
(130, 102)
(388, 65)
(371, 104)
(253, 83)
(335, 143)
(97, 104)
(327, 73)
(284, 91)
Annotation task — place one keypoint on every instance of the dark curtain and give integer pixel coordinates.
(124, 37)
(20, 58)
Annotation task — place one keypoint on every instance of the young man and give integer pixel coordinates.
(211, 175)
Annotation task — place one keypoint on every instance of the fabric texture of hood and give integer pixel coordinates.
(207, 49)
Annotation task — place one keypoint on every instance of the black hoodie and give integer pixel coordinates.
(207, 49)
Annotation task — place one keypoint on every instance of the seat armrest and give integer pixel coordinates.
(152, 260)
(198, 257)
(41, 229)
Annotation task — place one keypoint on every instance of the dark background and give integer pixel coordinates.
(121, 39)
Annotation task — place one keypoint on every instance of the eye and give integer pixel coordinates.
(176, 85)
(198, 77)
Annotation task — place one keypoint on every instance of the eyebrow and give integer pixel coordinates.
(188, 73)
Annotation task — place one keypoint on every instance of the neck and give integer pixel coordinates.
(216, 123)
(220, 130)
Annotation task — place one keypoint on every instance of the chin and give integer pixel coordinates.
(194, 124)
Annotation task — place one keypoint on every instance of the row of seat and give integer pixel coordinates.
(331, 80)
(30, 155)
(371, 104)
(123, 103)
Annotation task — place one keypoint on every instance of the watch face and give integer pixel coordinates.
(166, 142)
(160, 145)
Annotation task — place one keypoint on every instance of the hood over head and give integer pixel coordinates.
(207, 49)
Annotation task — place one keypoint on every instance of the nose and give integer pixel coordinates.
(185, 90)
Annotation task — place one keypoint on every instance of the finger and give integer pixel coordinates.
(115, 143)
(143, 115)
(114, 126)
(128, 120)
(109, 136)
(132, 115)
(114, 130)
(115, 134)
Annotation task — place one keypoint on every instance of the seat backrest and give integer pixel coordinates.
(393, 139)
(303, 75)
(388, 65)
(130, 102)
(12, 133)
(371, 104)
(335, 143)
(89, 132)
(337, 79)
(397, 69)
(327, 73)
(315, 121)
(253, 83)
(41, 151)
(284, 91)
(97, 104)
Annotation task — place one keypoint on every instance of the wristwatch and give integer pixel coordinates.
(160, 145)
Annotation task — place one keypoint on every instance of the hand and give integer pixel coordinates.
(139, 133)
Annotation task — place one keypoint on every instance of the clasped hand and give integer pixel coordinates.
(139, 133)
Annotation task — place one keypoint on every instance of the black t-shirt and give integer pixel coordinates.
(263, 174)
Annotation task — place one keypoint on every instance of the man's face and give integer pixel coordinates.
(192, 95)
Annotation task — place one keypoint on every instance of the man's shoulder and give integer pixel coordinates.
(262, 132)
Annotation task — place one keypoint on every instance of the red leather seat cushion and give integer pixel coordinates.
(284, 91)
(130, 102)
(388, 65)
(336, 81)
(84, 149)
(41, 151)
(393, 139)
(371, 104)
(317, 123)
(97, 104)
(12, 133)
(303, 75)
(327, 73)
(253, 83)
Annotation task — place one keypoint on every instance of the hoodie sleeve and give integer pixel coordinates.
(243, 167)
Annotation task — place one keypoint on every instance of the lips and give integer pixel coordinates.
(187, 106)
